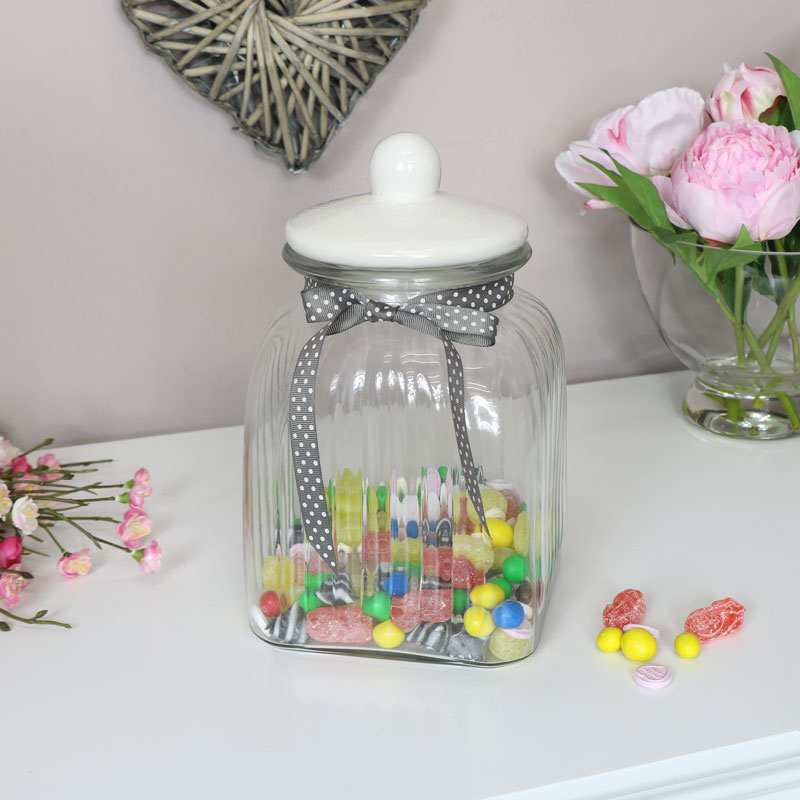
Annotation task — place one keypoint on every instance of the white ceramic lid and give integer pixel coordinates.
(405, 221)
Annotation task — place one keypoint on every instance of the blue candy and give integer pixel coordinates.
(397, 584)
(508, 614)
(394, 528)
(412, 529)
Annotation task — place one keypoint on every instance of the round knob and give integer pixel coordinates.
(405, 167)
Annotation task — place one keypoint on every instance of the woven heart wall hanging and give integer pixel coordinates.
(288, 71)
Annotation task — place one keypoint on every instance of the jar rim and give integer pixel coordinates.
(408, 279)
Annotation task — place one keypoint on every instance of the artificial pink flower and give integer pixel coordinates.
(149, 558)
(8, 452)
(745, 93)
(51, 462)
(10, 551)
(72, 565)
(5, 500)
(135, 526)
(20, 464)
(28, 483)
(25, 515)
(11, 585)
(646, 138)
(137, 495)
(734, 174)
(141, 480)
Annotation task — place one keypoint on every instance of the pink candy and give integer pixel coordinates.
(342, 624)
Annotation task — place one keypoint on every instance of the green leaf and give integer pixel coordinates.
(620, 197)
(778, 113)
(644, 190)
(791, 84)
(761, 280)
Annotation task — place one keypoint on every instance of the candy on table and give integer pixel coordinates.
(431, 635)
(509, 645)
(487, 595)
(509, 614)
(464, 647)
(500, 532)
(342, 624)
(478, 622)
(655, 631)
(406, 611)
(687, 645)
(627, 608)
(609, 639)
(436, 605)
(500, 555)
(652, 676)
(377, 605)
(387, 635)
(638, 644)
(465, 574)
(269, 604)
(515, 568)
(337, 590)
(503, 584)
(290, 627)
(475, 548)
(721, 618)
(522, 532)
(495, 505)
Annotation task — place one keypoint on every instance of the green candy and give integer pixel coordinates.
(459, 600)
(411, 569)
(515, 568)
(313, 582)
(504, 584)
(308, 601)
(378, 605)
(380, 493)
(443, 473)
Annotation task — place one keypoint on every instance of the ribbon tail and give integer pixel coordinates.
(455, 388)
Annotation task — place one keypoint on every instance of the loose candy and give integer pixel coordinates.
(514, 568)
(652, 676)
(609, 639)
(503, 584)
(433, 636)
(475, 548)
(687, 645)
(721, 618)
(509, 614)
(464, 647)
(509, 645)
(378, 606)
(500, 532)
(290, 627)
(655, 631)
(638, 644)
(269, 604)
(627, 608)
(387, 634)
(487, 595)
(339, 624)
(478, 622)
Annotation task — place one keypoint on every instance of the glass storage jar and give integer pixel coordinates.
(404, 481)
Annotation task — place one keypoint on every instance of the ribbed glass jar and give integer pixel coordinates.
(427, 583)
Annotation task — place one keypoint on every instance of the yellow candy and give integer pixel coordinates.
(609, 640)
(638, 644)
(478, 621)
(493, 500)
(487, 595)
(687, 645)
(408, 550)
(387, 635)
(500, 555)
(475, 548)
(278, 573)
(522, 534)
(500, 533)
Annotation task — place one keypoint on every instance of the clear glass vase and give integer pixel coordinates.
(738, 332)
(407, 536)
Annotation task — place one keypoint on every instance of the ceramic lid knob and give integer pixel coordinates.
(405, 167)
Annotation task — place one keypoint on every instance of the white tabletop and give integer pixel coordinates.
(161, 689)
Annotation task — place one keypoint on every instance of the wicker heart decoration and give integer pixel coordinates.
(288, 71)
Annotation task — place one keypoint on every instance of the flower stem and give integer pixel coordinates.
(36, 619)
(776, 323)
(50, 534)
(737, 313)
(791, 321)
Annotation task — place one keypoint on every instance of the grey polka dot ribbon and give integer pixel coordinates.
(460, 316)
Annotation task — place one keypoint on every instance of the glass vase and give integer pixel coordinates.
(735, 327)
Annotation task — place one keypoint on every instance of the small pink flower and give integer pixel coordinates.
(141, 480)
(11, 585)
(5, 500)
(149, 558)
(20, 464)
(8, 452)
(25, 515)
(135, 526)
(137, 495)
(51, 462)
(10, 551)
(72, 565)
(28, 483)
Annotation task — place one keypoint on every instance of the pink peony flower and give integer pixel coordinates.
(646, 138)
(5, 500)
(734, 174)
(744, 94)
(25, 515)
(51, 462)
(10, 551)
(8, 452)
(72, 565)
(135, 526)
(21, 464)
(149, 558)
(11, 585)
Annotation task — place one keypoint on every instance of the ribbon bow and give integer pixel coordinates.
(452, 315)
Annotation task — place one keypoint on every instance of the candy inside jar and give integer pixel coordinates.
(417, 573)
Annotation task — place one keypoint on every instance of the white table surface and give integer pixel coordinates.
(161, 689)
